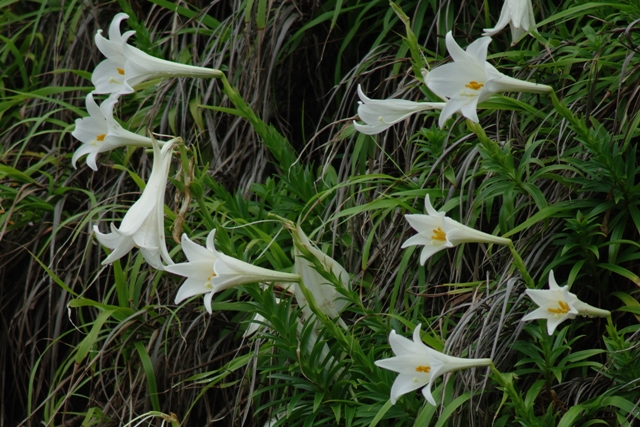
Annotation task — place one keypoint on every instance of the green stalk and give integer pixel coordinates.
(519, 263)
(493, 150)
(195, 189)
(487, 15)
(506, 382)
(278, 145)
(578, 125)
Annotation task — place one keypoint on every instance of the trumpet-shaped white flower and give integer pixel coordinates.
(380, 114)
(437, 232)
(470, 79)
(419, 365)
(209, 271)
(100, 132)
(327, 298)
(143, 224)
(518, 14)
(127, 66)
(557, 304)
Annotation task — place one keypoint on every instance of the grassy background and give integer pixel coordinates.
(83, 344)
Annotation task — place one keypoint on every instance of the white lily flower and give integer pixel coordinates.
(518, 14)
(127, 66)
(143, 224)
(327, 298)
(100, 132)
(557, 304)
(470, 79)
(419, 365)
(209, 271)
(437, 232)
(380, 114)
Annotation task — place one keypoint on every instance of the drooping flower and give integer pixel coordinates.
(308, 259)
(380, 114)
(437, 232)
(557, 304)
(419, 365)
(127, 66)
(470, 79)
(518, 14)
(209, 271)
(100, 132)
(143, 224)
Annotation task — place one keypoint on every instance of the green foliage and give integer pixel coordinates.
(86, 344)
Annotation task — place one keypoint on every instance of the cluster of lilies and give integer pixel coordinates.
(461, 85)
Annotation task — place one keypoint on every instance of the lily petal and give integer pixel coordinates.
(100, 132)
(127, 66)
(437, 232)
(419, 366)
(381, 114)
(518, 14)
(209, 271)
(143, 224)
(557, 304)
(470, 79)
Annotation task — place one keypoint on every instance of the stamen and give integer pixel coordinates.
(121, 71)
(208, 284)
(564, 308)
(425, 369)
(474, 85)
(101, 137)
(439, 235)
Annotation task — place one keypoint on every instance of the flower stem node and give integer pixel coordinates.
(419, 365)
(557, 304)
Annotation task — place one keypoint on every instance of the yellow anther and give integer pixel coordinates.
(474, 85)
(121, 71)
(101, 137)
(425, 369)
(439, 235)
(564, 308)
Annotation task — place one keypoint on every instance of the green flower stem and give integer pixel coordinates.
(286, 222)
(519, 263)
(491, 147)
(277, 144)
(205, 212)
(487, 15)
(195, 188)
(488, 144)
(506, 382)
(577, 124)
